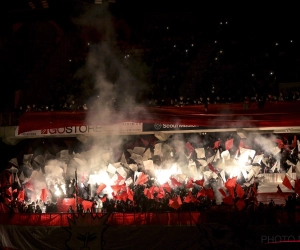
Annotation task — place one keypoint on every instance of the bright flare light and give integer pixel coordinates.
(233, 172)
(103, 177)
(163, 175)
(57, 191)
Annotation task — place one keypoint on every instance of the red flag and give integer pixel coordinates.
(228, 200)
(280, 143)
(123, 196)
(9, 191)
(79, 200)
(21, 195)
(190, 198)
(141, 179)
(175, 183)
(152, 189)
(217, 144)
(116, 188)
(228, 144)
(189, 148)
(145, 142)
(118, 197)
(167, 187)
(240, 204)
(103, 199)
(230, 184)
(210, 193)
(87, 205)
(130, 194)
(189, 183)
(160, 193)
(287, 183)
(120, 178)
(297, 186)
(279, 191)
(7, 201)
(187, 199)
(100, 188)
(148, 194)
(194, 200)
(44, 194)
(199, 182)
(29, 186)
(243, 145)
(294, 144)
(201, 193)
(175, 202)
(179, 200)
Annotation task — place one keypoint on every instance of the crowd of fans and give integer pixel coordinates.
(190, 194)
(141, 203)
(258, 100)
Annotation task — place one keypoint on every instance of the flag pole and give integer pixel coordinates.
(218, 171)
(76, 189)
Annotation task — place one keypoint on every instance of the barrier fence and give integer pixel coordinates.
(159, 218)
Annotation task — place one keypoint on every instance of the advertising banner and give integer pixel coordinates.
(124, 127)
(147, 127)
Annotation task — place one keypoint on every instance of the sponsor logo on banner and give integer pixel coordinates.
(125, 127)
(167, 127)
(157, 126)
(44, 131)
